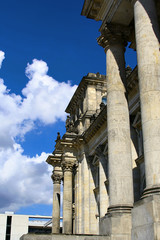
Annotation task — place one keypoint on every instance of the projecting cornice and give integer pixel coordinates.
(92, 9)
(54, 160)
(115, 11)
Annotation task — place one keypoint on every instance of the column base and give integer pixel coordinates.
(151, 191)
(116, 225)
(146, 219)
(120, 209)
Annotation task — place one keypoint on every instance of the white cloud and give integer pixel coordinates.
(25, 180)
(2, 57)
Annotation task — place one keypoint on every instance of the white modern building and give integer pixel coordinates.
(13, 226)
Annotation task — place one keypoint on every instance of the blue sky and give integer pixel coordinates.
(46, 47)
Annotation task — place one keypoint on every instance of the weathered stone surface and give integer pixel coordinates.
(62, 237)
(118, 226)
(146, 219)
(134, 101)
(148, 56)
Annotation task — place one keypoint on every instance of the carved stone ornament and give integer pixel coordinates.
(68, 166)
(69, 125)
(113, 34)
(58, 136)
(56, 177)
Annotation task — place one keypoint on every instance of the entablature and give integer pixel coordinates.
(53, 160)
(116, 11)
(93, 9)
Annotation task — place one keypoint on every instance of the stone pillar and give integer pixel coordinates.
(76, 200)
(67, 196)
(56, 177)
(119, 144)
(79, 219)
(148, 55)
(85, 195)
(93, 207)
(103, 195)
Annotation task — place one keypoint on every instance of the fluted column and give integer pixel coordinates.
(119, 145)
(147, 34)
(56, 177)
(67, 196)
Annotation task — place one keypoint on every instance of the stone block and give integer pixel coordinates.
(117, 226)
(63, 237)
(146, 219)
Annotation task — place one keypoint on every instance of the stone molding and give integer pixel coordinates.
(151, 191)
(120, 209)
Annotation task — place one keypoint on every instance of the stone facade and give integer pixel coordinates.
(109, 157)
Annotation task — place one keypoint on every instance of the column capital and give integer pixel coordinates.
(57, 177)
(68, 165)
(113, 34)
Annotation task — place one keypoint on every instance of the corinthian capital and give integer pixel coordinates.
(56, 177)
(113, 34)
(68, 165)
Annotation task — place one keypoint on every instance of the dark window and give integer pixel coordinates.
(8, 227)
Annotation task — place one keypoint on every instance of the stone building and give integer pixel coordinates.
(109, 157)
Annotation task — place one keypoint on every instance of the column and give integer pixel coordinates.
(103, 195)
(79, 198)
(93, 219)
(76, 201)
(56, 177)
(119, 144)
(85, 194)
(148, 55)
(67, 196)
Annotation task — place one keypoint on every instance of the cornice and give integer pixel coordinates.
(54, 160)
(117, 12)
(92, 9)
